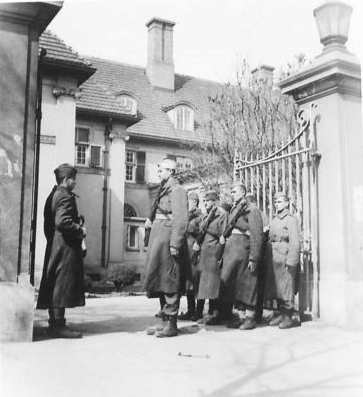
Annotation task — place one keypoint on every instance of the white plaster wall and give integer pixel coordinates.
(58, 119)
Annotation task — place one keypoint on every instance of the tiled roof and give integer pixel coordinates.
(113, 77)
(60, 55)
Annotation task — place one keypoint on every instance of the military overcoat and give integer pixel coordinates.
(283, 249)
(193, 229)
(238, 283)
(62, 278)
(163, 271)
(210, 272)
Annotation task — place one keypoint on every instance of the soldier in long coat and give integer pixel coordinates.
(167, 251)
(194, 311)
(62, 279)
(243, 243)
(213, 224)
(283, 255)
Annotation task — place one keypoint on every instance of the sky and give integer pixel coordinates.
(211, 37)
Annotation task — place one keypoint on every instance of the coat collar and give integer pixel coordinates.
(64, 190)
(283, 213)
(172, 181)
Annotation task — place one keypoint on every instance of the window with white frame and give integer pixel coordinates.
(132, 237)
(184, 118)
(82, 144)
(87, 154)
(182, 162)
(135, 166)
(128, 102)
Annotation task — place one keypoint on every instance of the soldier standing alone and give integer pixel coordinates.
(62, 280)
(167, 246)
(282, 261)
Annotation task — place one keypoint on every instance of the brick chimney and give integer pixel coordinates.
(264, 73)
(160, 63)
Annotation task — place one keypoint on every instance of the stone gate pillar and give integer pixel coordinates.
(333, 83)
(20, 27)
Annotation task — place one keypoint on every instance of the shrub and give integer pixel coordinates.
(120, 275)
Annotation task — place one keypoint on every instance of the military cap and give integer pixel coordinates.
(168, 164)
(211, 195)
(281, 194)
(65, 171)
(193, 196)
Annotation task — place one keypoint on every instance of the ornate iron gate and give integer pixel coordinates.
(293, 168)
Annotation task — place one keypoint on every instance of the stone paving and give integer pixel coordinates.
(116, 358)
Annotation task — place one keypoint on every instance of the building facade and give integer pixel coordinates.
(122, 121)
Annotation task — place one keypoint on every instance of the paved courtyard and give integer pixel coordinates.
(117, 359)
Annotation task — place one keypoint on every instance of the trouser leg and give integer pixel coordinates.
(171, 306)
(214, 310)
(191, 301)
(56, 316)
(162, 301)
(170, 310)
(200, 306)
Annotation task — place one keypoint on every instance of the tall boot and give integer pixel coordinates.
(156, 328)
(287, 319)
(170, 328)
(191, 308)
(198, 314)
(58, 329)
(215, 318)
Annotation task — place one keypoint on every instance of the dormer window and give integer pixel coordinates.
(182, 116)
(128, 102)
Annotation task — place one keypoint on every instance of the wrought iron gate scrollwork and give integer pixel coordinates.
(292, 168)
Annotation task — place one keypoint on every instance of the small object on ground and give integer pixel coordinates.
(193, 355)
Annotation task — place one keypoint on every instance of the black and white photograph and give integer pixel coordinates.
(181, 198)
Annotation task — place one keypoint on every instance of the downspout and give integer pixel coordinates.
(106, 157)
(38, 119)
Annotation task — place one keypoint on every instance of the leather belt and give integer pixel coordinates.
(159, 216)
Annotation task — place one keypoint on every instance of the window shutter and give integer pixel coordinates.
(82, 134)
(140, 168)
(95, 156)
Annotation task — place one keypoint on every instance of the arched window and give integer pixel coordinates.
(128, 102)
(184, 118)
(129, 211)
(181, 115)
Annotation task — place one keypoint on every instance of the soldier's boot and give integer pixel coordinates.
(287, 321)
(276, 320)
(155, 328)
(237, 321)
(248, 324)
(59, 329)
(187, 315)
(170, 329)
(214, 319)
(198, 314)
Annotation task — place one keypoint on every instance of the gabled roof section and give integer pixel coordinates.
(115, 77)
(59, 56)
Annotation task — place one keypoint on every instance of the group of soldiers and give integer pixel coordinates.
(223, 255)
(229, 255)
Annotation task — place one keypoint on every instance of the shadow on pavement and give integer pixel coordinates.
(118, 323)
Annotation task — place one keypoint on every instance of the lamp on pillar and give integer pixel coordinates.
(333, 20)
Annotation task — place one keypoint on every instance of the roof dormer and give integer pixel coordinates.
(128, 101)
(182, 115)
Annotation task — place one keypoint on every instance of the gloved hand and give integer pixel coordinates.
(174, 251)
